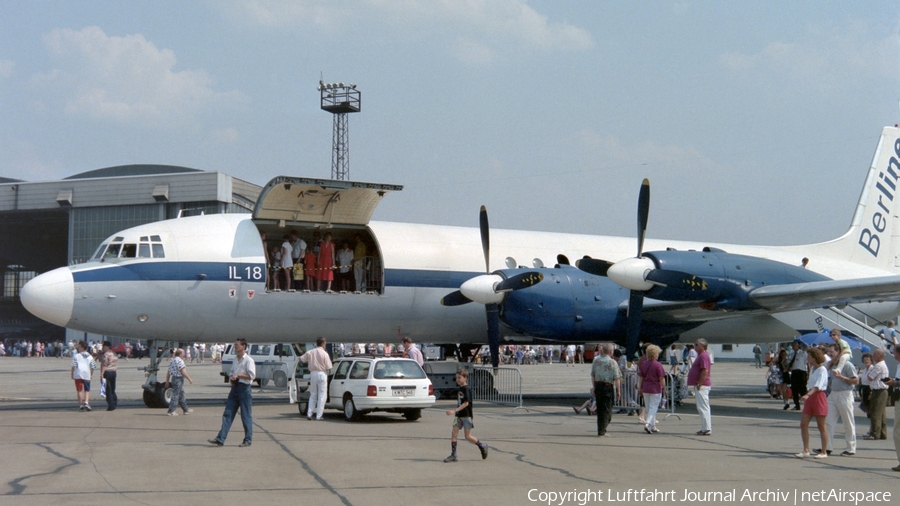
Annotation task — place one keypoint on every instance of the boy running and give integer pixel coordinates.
(463, 414)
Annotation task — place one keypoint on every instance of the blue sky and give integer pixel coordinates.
(754, 121)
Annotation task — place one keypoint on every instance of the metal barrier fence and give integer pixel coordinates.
(502, 386)
(631, 399)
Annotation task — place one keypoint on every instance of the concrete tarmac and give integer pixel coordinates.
(54, 454)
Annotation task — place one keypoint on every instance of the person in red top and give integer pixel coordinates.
(309, 269)
(699, 377)
(652, 382)
(326, 263)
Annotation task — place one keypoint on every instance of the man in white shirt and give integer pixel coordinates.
(878, 398)
(412, 351)
(83, 366)
(243, 372)
(319, 365)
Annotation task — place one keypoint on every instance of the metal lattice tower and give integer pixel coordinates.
(339, 99)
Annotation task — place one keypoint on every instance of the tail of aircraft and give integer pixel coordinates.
(873, 239)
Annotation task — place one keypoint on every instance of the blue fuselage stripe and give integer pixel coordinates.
(235, 272)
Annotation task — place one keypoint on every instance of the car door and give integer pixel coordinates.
(337, 383)
(358, 379)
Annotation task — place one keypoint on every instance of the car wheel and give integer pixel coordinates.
(350, 411)
(412, 414)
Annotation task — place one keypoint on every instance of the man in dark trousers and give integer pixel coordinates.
(607, 379)
(797, 365)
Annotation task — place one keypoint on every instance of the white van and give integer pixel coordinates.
(274, 361)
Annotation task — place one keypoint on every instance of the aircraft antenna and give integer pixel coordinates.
(339, 99)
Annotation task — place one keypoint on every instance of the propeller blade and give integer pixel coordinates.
(562, 259)
(485, 238)
(643, 214)
(594, 266)
(455, 299)
(633, 330)
(676, 279)
(493, 327)
(519, 281)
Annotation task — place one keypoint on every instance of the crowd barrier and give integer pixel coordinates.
(502, 386)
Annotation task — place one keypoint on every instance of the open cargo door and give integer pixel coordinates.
(294, 200)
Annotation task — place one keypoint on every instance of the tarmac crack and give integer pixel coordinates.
(18, 487)
(322, 481)
(523, 458)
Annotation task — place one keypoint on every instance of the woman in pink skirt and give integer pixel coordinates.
(815, 404)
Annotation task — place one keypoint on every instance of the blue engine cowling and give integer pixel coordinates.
(726, 279)
(573, 305)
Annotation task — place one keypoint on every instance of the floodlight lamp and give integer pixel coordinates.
(341, 85)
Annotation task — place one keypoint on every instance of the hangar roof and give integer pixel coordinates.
(133, 170)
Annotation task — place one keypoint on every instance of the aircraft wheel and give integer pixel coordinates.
(350, 411)
(163, 395)
(412, 414)
(149, 398)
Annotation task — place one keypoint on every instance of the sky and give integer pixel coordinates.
(755, 122)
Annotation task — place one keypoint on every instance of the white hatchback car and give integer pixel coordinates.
(362, 384)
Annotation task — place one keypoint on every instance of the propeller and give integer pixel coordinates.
(490, 289)
(492, 310)
(631, 274)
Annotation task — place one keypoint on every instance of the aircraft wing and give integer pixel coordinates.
(781, 298)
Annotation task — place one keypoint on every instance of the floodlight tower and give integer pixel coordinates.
(339, 99)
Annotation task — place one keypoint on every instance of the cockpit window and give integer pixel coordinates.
(129, 251)
(158, 251)
(99, 253)
(112, 251)
(143, 250)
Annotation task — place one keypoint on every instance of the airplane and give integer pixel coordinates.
(203, 278)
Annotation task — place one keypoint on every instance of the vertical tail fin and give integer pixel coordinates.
(873, 239)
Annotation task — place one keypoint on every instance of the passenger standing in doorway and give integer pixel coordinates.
(326, 263)
(699, 378)
(287, 261)
(412, 351)
(319, 365)
(243, 372)
(345, 263)
(309, 268)
(359, 258)
(175, 376)
(298, 253)
(607, 380)
(108, 364)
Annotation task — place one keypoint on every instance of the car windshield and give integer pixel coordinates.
(406, 369)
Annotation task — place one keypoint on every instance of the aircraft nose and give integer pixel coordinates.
(50, 296)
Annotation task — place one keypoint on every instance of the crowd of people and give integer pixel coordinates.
(294, 264)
